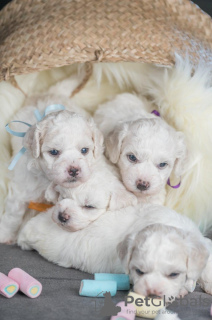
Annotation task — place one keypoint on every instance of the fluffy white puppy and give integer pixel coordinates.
(145, 148)
(101, 192)
(159, 258)
(62, 148)
(164, 254)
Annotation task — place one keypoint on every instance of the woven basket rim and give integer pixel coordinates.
(38, 35)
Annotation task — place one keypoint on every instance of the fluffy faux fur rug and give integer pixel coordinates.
(183, 95)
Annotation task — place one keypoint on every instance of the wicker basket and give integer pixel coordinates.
(41, 34)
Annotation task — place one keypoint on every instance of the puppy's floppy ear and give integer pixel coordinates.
(32, 139)
(197, 256)
(125, 250)
(97, 137)
(181, 154)
(114, 142)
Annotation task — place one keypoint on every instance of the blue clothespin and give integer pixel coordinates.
(39, 117)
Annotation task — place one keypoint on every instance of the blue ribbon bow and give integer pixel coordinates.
(39, 117)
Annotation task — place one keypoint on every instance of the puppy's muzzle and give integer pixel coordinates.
(154, 294)
(143, 185)
(63, 217)
(73, 172)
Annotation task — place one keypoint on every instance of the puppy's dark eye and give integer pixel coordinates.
(162, 165)
(84, 150)
(139, 272)
(132, 158)
(173, 275)
(89, 207)
(54, 152)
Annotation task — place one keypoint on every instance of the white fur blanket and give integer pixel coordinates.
(182, 95)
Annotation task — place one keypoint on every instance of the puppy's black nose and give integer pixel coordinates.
(73, 172)
(63, 217)
(143, 185)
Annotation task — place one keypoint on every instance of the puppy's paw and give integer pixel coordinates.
(183, 293)
(122, 199)
(24, 245)
(27, 237)
(206, 286)
(6, 236)
(205, 279)
(51, 195)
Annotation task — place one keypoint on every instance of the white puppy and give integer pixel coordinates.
(164, 254)
(62, 148)
(101, 192)
(163, 260)
(145, 148)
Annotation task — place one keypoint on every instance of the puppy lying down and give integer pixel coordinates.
(163, 252)
(101, 192)
(62, 148)
(143, 146)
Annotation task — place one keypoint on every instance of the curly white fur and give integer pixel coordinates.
(183, 95)
(131, 130)
(101, 192)
(104, 247)
(65, 132)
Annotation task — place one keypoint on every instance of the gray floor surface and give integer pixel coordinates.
(60, 299)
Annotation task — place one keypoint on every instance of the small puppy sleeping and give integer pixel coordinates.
(143, 146)
(87, 202)
(164, 252)
(162, 260)
(62, 148)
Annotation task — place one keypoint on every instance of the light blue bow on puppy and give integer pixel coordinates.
(39, 117)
